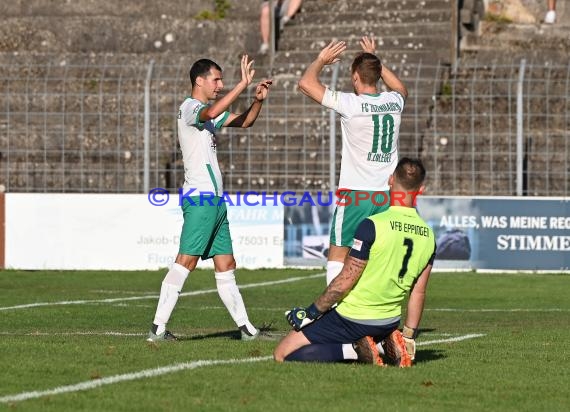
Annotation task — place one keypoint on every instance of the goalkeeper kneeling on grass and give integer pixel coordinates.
(392, 254)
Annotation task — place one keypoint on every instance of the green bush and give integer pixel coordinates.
(221, 8)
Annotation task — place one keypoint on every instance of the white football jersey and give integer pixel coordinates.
(370, 130)
(198, 144)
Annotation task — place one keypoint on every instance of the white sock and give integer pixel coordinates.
(333, 269)
(380, 347)
(348, 352)
(169, 291)
(231, 296)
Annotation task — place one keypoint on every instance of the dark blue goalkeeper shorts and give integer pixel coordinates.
(333, 328)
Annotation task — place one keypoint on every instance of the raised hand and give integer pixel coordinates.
(330, 54)
(247, 72)
(262, 89)
(368, 44)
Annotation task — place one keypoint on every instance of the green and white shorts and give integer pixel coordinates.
(206, 229)
(352, 208)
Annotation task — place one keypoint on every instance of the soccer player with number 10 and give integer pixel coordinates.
(370, 122)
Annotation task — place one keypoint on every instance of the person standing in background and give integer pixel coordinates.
(285, 10)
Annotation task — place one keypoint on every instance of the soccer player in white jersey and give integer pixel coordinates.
(205, 232)
(370, 123)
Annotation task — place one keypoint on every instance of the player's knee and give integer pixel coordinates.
(278, 355)
(224, 263)
(188, 261)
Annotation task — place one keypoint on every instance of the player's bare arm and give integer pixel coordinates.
(342, 284)
(417, 299)
(415, 310)
(392, 82)
(222, 104)
(309, 84)
(248, 118)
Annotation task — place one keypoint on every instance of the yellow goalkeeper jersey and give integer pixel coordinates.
(398, 245)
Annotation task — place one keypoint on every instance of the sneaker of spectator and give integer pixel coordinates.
(264, 48)
(289, 10)
(283, 21)
(550, 17)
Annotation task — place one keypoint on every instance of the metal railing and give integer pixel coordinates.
(79, 126)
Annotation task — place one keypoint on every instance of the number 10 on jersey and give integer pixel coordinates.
(383, 136)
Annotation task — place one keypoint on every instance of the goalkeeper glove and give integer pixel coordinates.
(410, 335)
(298, 318)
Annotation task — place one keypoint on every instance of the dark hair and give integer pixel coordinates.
(368, 67)
(410, 173)
(201, 68)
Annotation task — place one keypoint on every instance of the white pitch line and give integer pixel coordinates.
(131, 334)
(498, 310)
(280, 309)
(448, 340)
(147, 373)
(126, 292)
(150, 373)
(193, 293)
(74, 334)
(266, 334)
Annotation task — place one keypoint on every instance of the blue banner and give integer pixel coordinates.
(472, 232)
(499, 233)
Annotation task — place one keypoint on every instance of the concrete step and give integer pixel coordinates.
(392, 57)
(379, 29)
(325, 17)
(531, 41)
(129, 8)
(341, 6)
(109, 34)
(384, 44)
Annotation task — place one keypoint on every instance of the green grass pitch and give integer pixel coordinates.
(75, 341)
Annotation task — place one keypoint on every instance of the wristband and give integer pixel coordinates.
(313, 312)
(409, 333)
